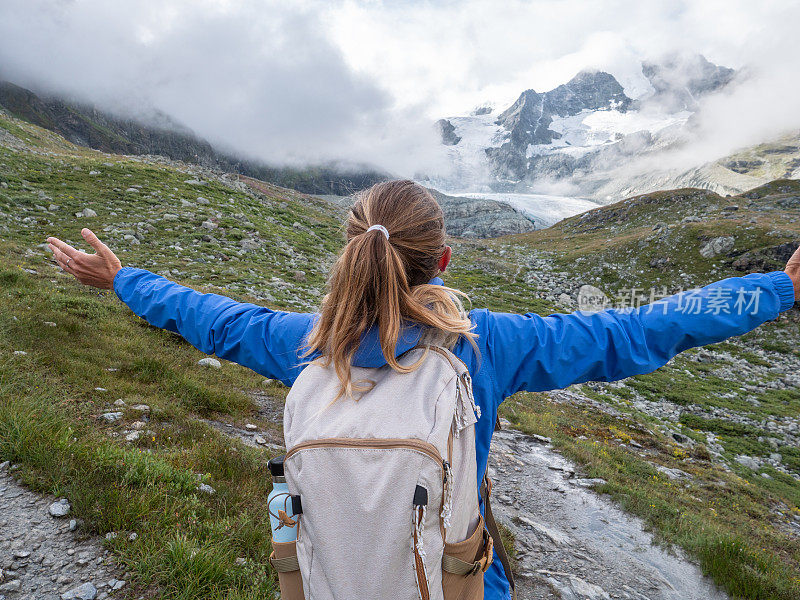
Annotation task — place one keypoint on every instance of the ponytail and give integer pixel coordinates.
(395, 238)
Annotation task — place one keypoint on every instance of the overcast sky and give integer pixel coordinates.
(308, 80)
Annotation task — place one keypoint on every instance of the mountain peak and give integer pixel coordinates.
(678, 80)
(583, 131)
(588, 90)
(528, 120)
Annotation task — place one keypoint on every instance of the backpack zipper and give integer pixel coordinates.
(377, 443)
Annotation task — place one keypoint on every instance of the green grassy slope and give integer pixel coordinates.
(67, 353)
(655, 239)
(707, 407)
(273, 246)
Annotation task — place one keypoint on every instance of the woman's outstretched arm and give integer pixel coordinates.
(534, 353)
(264, 340)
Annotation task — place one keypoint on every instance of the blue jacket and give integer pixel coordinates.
(517, 352)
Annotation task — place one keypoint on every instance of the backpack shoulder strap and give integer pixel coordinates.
(486, 490)
(491, 526)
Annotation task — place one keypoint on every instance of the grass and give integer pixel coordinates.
(618, 246)
(721, 518)
(509, 541)
(189, 544)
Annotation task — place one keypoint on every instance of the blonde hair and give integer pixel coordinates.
(383, 282)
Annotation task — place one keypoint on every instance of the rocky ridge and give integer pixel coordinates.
(467, 217)
(480, 217)
(678, 82)
(157, 133)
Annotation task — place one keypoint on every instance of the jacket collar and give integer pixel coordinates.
(369, 353)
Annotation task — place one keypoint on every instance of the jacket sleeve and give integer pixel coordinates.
(266, 341)
(534, 353)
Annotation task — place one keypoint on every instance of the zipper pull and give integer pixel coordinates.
(420, 496)
(447, 494)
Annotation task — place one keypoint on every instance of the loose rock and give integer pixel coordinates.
(60, 508)
(86, 591)
(212, 363)
(86, 213)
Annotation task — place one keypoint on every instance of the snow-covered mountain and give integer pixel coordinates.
(583, 135)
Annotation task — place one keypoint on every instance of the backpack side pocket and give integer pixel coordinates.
(464, 564)
(284, 560)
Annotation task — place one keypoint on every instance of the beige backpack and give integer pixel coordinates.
(387, 484)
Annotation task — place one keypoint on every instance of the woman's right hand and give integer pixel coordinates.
(97, 270)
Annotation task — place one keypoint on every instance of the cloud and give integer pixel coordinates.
(310, 80)
(259, 77)
(452, 56)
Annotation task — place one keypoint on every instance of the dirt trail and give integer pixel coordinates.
(41, 558)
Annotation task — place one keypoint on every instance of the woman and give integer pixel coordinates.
(384, 297)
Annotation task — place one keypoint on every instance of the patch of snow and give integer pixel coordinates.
(468, 157)
(596, 127)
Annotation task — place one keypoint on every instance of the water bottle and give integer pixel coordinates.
(279, 504)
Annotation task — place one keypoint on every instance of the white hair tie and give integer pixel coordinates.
(380, 228)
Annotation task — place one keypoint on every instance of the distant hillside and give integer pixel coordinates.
(742, 170)
(481, 217)
(469, 217)
(88, 126)
(680, 237)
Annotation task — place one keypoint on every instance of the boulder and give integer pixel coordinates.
(250, 244)
(717, 245)
(748, 461)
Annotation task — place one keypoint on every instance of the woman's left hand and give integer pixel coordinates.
(793, 271)
(97, 270)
